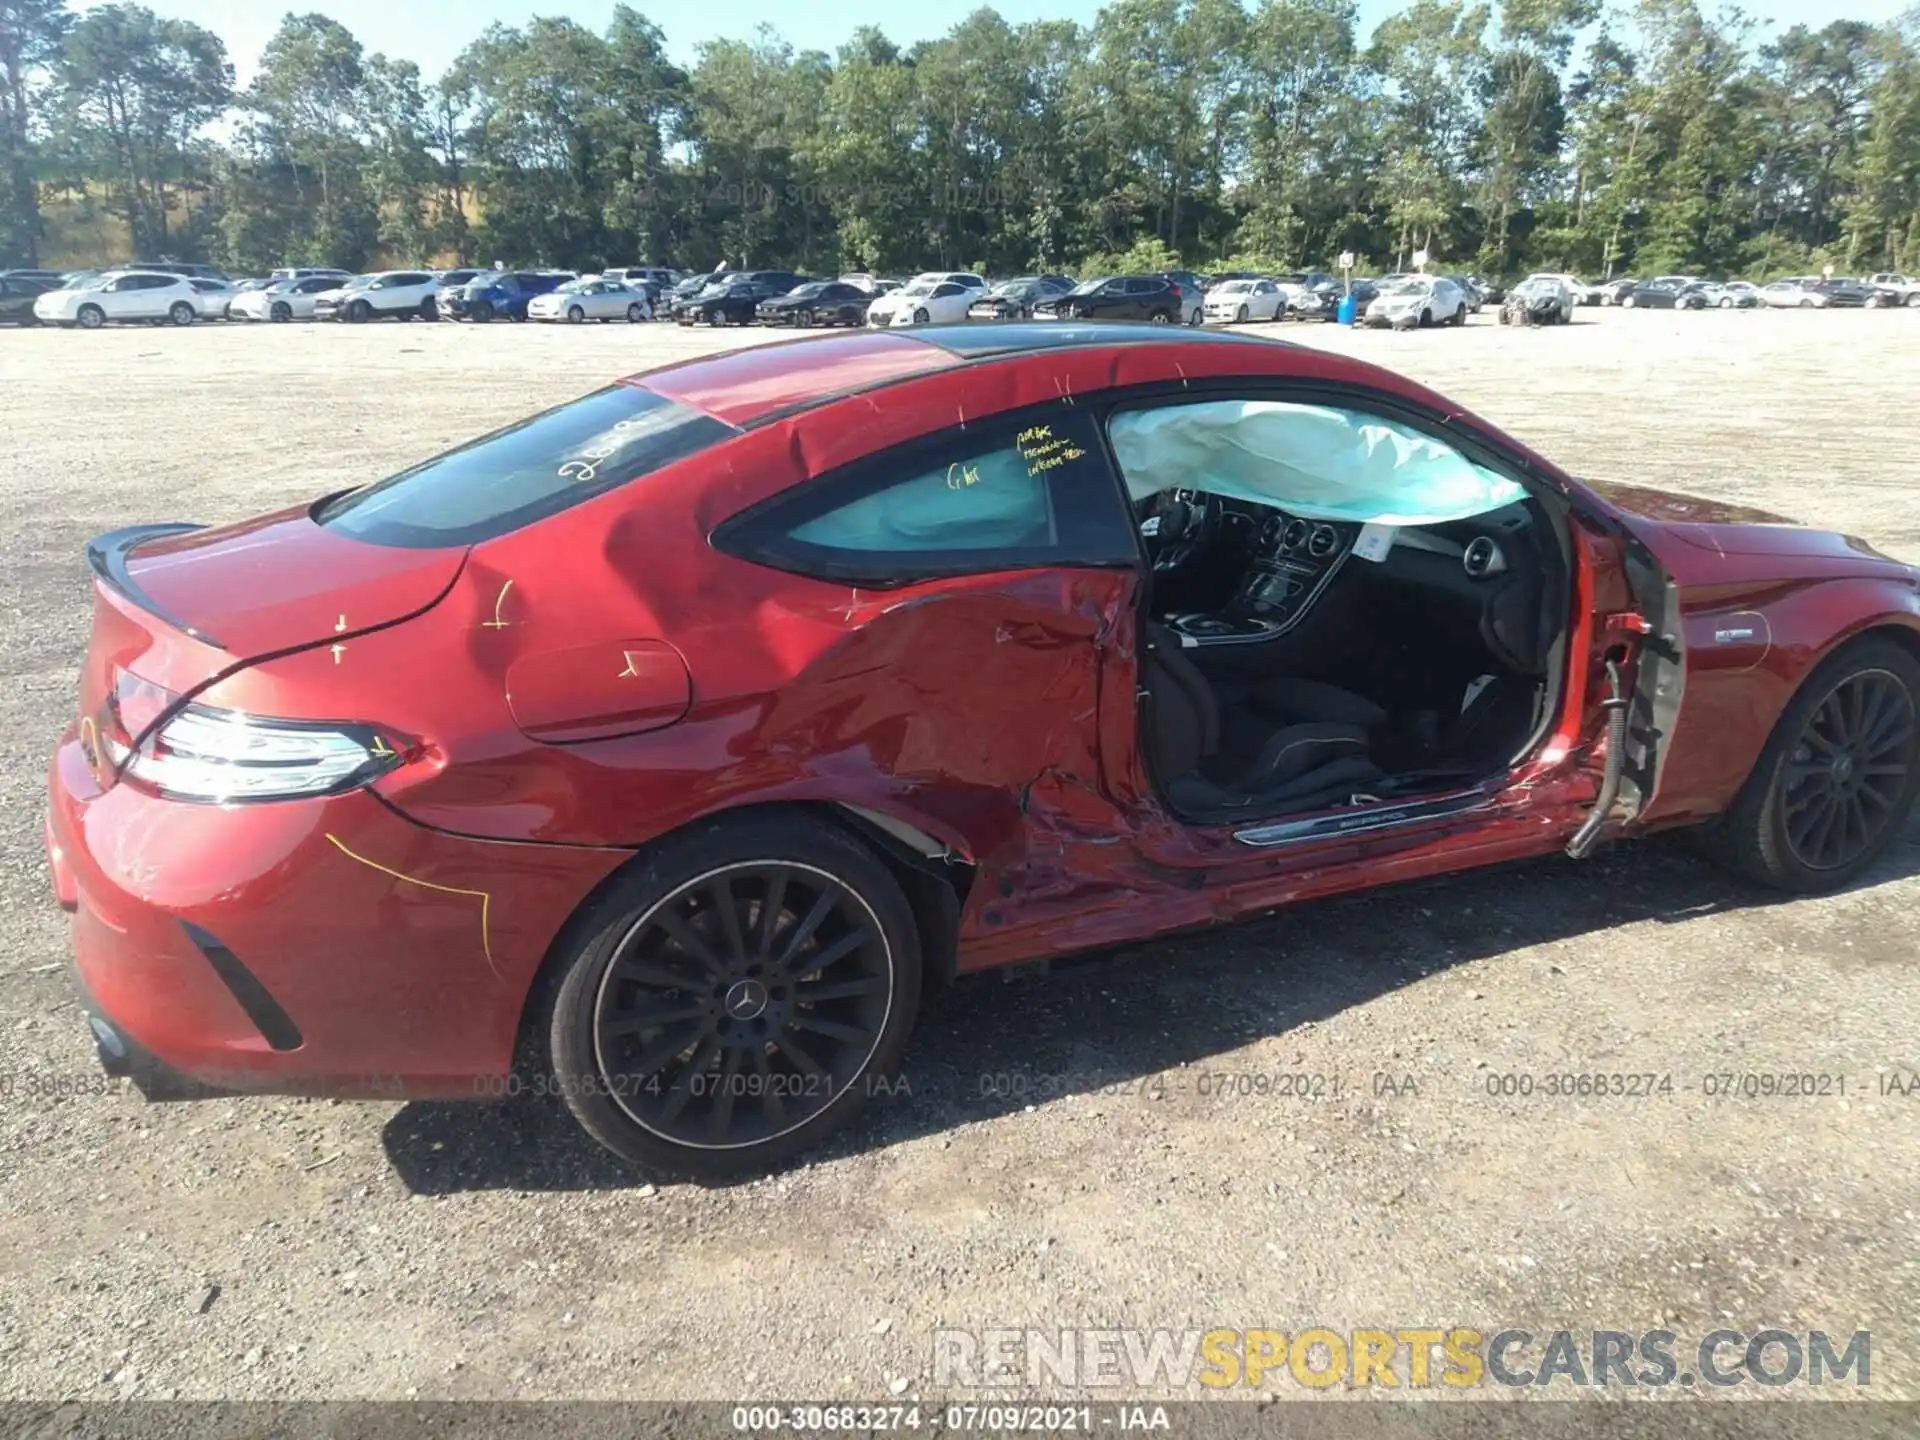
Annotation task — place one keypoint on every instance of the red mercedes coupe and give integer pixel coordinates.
(672, 747)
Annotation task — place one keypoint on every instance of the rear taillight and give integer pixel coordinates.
(214, 756)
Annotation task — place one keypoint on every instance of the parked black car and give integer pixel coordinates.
(818, 302)
(1700, 295)
(1322, 302)
(18, 291)
(1849, 294)
(734, 297)
(53, 275)
(1117, 297)
(1015, 299)
(1661, 294)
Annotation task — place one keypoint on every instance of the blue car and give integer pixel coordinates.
(500, 294)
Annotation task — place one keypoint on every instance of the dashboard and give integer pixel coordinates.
(1280, 564)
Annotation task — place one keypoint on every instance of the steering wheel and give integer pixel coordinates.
(1185, 523)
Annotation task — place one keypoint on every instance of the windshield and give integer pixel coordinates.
(572, 287)
(920, 287)
(806, 292)
(1087, 287)
(1234, 287)
(527, 471)
(1406, 287)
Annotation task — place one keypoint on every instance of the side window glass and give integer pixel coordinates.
(1018, 495)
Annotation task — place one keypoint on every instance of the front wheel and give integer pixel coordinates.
(1241, 318)
(635, 314)
(1836, 780)
(1913, 301)
(920, 316)
(281, 313)
(736, 999)
(576, 315)
(716, 318)
(360, 312)
(91, 317)
(804, 319)
(482, 312)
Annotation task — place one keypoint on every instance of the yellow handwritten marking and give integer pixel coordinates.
(968, 476)
(496, 623)
(486, 900)
(90, 744)
(1036, 432)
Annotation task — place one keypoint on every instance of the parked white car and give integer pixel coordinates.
(1793, 295)
(121, 295)
(933, 298)
(1906, 286)
(594, 297)
(212, 297)
(1551, 282)
(1237, 301)
(1419, 300)
(283, 300)
(302, 272)
(389, 294)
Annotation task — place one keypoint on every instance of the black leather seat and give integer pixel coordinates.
(1286, 743)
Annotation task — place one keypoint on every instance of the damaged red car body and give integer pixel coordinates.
(683, 740)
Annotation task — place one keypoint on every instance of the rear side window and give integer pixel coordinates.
(526, 472)
(1021, 493)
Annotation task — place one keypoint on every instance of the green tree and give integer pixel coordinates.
(30, 36)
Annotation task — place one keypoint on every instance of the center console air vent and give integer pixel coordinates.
(1323, 542)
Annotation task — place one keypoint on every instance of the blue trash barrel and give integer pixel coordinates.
(1349, 309)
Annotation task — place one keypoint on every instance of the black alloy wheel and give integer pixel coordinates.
(1837, 778)
(735, 999)
(1847, 776)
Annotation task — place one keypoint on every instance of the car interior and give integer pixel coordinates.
(1342, 610)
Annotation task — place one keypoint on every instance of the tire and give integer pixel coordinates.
(717, 318)
(1426, 319)
(633, 960)
(920, 315)
(1913, 301)
(482, 312)
(90, 317)
(1242, 317)
(1628, 302)
(281, 313)
(180, 314)
(576, 316)
(360, 312)
(635, 314)
(1806, 304)
(1769, 835)
(1458, 318)
(429, 310)
(804, 319)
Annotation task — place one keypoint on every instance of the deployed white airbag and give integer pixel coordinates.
(1310, 460)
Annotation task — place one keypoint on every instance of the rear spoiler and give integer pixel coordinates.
(107, 557)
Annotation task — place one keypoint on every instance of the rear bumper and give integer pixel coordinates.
(327, 946)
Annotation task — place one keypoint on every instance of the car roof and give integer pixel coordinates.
(750, 386)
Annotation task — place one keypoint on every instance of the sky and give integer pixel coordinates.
(433, 32)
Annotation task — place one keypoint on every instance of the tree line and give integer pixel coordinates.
(1256, 134)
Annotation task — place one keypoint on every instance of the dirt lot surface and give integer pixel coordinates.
(1057, 1163)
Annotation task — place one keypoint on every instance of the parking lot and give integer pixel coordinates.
(1063, 1157)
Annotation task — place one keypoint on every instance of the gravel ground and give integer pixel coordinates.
(1057, 1163)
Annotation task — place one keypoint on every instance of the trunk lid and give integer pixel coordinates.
(180, 605)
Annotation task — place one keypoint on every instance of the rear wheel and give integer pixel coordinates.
(1913, 301)
(429, 309)
(1162, 317)
(1837, 778)
(737, 998)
